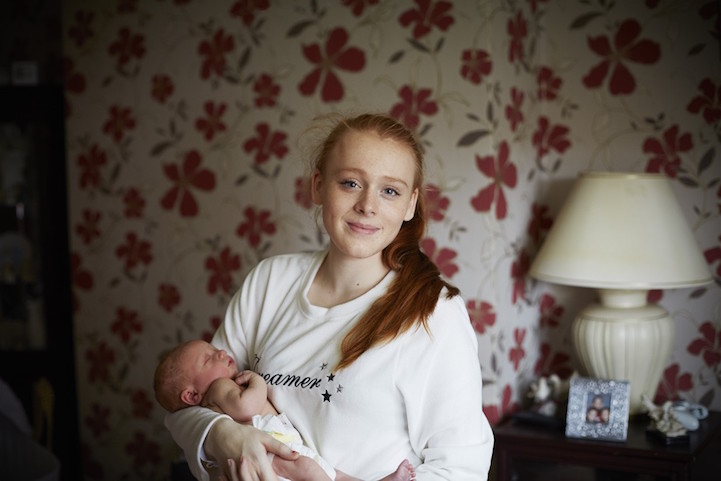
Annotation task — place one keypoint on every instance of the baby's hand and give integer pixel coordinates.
(244, 377)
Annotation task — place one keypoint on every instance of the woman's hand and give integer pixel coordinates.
(248, 447)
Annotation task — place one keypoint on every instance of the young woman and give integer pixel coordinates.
(364, 347)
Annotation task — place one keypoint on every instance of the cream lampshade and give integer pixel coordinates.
(623, 234)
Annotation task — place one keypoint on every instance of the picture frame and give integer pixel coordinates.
(598, 409)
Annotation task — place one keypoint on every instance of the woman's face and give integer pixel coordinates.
(366, 193)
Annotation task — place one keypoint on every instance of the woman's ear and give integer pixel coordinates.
(316, 182)
(190, 396)
(411, 211)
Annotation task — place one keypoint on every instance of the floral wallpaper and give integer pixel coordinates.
(187, 128)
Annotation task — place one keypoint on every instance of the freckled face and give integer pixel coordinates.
(366, 192)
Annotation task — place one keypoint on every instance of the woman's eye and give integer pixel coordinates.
(390, 191)
(349, 183)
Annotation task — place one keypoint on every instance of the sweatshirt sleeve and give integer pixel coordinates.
(189, 427)
(442, 387)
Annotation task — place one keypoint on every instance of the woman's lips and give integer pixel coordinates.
(362, 228)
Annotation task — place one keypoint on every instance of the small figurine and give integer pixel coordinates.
(664, 419)
(547, 394)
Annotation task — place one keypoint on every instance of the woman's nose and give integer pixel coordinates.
(366, 204)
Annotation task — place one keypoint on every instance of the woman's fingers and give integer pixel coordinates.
(278, 448)
(250, 471)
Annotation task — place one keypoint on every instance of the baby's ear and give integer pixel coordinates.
(190, 396)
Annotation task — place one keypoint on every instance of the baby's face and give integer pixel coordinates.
(205, 363)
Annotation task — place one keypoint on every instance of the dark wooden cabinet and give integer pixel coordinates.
(37, 354)
(525, 452)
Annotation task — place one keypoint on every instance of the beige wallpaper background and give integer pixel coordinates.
(186, 166)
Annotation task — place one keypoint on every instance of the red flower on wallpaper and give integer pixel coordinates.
(665, 152)
(162, 87)
(708, 346)
(412, 104)
(519, 271)
(672, 384)
(548, 84)
(127, 46)
(99, 360)
(89, 164)
(125, 324)
(475, 64)
(134, 251)
(335, 56)
(98, 420)
(549, 137)
(626, 47)
(551, 312)
(127, 6)
(429, 14)
(141, 404)
(74, 81)
(654, 296)
(134, 203)
(246, 10)
(266, 91)
(494, 413)
(121, 120)
(214, 52)
(221, 271)
(552, 363)
(713, 254)
(256, 225)
(517, 29)
(442, 258)
(534, 4)
(482, 314)
(302, 192)
(81, 278)
(540, 222)
(88, 229)
(436, 203)
(212, 123)
(168, 296)
(142, 450)
(514, 114)
(207, 336)
(502, 172)
(81, 30)
(708, 103)
(517, 353)
(266, 143)
(192, 175)
(357, 6)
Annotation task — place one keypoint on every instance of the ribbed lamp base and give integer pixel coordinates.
(625, 344)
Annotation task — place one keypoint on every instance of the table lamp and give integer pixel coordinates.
(623, 234)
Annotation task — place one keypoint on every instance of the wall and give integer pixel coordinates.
(185, 168)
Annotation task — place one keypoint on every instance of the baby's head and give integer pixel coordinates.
(184, 374)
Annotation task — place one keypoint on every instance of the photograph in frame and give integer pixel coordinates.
(598, 409)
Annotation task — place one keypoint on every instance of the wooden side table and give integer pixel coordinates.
(525, 452)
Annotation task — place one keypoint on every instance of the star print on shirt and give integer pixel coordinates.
(326, 396)
(331, 376)
(323, 366)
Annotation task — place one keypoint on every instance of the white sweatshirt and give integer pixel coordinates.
(417, 397)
